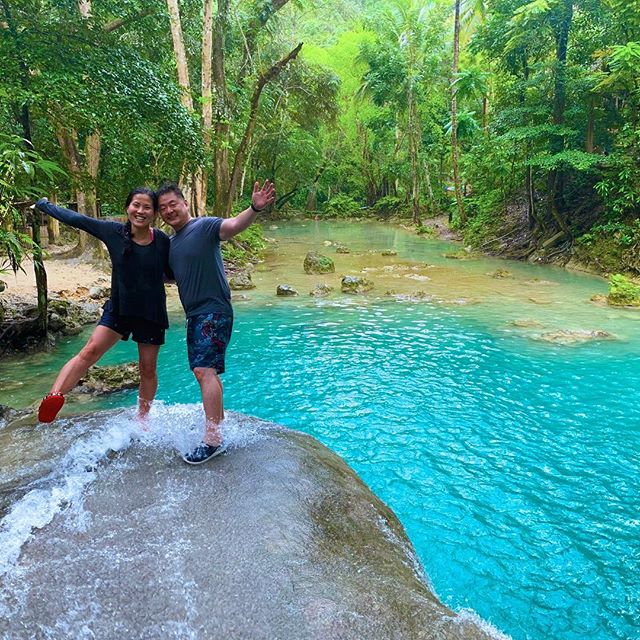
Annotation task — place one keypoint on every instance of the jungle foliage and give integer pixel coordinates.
(529, 141)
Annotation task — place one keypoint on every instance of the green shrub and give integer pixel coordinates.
(390, 206)
(623, 292)
(427, 231)
(245, 247)
(340, 206)
(611, 247)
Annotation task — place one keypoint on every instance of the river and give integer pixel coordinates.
(512, 461)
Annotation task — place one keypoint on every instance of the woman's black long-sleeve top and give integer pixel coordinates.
(137, 287)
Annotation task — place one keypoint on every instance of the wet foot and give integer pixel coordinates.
(204, 452)
(50, 407)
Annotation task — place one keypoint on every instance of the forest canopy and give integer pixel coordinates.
(517, 121)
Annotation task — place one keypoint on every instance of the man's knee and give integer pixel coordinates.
(203, 374)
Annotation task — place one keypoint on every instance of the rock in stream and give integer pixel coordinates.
(278, 538)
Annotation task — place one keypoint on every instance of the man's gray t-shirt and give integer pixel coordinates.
(196, 262)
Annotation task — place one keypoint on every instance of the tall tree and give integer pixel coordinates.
(455, 151)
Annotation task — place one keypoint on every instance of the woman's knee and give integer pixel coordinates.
(92, 351)
(148, 370)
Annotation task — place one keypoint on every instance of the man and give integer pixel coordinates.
(196, 262)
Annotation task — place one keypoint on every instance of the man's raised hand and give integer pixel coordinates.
(263, 197)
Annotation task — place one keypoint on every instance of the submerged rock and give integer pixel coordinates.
(460, 254)
(526, 323)
(241, 282)
(317, 263)
(277, 539)
(341, 248)
(416, 296)
(501, 273)
(321, 290)
(573, 337)
(356, 284)
(389, 252)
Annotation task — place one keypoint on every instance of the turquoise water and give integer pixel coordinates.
(512, 463)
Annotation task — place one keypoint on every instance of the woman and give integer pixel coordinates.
(137, 306)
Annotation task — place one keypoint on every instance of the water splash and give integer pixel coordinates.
(170, 428)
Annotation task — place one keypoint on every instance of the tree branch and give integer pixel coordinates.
(121, 22)
(264, 78)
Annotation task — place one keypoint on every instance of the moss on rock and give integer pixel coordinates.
(317, 263)
(623, 292)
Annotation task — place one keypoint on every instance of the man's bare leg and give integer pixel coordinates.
(211, 390)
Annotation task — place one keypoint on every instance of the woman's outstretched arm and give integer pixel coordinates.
(96, 228)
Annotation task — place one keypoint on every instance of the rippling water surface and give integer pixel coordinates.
(514, 464)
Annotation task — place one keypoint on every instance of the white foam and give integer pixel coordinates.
(38, 507)
(469, 615)
(177, 427)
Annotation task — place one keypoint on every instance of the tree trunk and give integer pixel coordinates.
(41, 275)
(85, 8)
(180, 53)
(53, 225)
(251, 35)
(239, 159)
(68, 143)
(188, 183)
(53, 230)
(454, 117)
(312, 199)
(414, 141)
(535, 221)
(202, 178)
(485, 115)
(433, 206)
(222, 127)
(93, 146)
(562, 24)
(589, 142)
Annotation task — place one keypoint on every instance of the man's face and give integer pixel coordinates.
(173, 210)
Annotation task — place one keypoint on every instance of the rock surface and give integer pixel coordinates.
(321, 290)
(20, 328)
(356, 284)
(574, 337)
(286, 291)
(317, 263)
(276, 539)
(241, 282)
(110, 378)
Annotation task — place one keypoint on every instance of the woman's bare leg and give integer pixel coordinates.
(147, 363)
(101, 340)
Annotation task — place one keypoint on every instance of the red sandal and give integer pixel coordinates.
(50, 406)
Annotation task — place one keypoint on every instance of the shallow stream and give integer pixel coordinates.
(513, 462)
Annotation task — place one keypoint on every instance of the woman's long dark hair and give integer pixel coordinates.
(128, 242)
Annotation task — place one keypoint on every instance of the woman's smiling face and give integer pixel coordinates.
(140, 211)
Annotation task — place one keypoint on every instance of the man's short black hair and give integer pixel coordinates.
(169, 187)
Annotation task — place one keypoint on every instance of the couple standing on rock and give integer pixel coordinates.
(142, 258)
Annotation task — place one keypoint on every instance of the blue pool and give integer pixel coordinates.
(513, 463)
